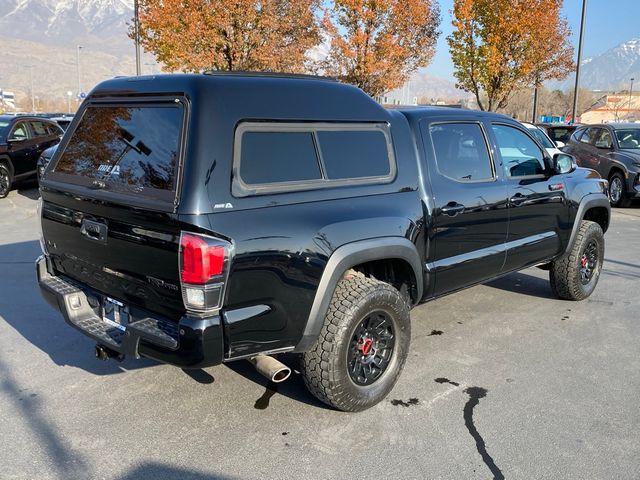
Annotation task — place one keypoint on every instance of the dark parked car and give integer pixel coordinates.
(201, 219)
(45, 157)
(558, 132)
(612, 150)
(22, 140)
(63, 121)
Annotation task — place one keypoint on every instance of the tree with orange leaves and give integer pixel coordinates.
(377, 44)
(195, 35)
(500, 46)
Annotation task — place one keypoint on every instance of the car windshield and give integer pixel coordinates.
(629, 138)
(541, 137)
(4, 127)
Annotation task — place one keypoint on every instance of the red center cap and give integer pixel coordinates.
(366, 346)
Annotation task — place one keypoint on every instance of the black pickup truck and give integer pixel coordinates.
(201, 219)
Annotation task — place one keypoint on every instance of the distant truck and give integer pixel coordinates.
(201, 219)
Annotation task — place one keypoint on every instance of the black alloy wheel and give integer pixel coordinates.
(588, 262)
(371, 349)
(5, 181)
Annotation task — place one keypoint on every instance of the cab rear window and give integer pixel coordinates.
(127, 149)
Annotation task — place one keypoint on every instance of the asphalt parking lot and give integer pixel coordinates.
(503, 381)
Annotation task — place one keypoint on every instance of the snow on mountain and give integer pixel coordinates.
(612, 70)
(65, 21)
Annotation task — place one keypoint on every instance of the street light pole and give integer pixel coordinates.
(630, 93)
(33, 99)
(79, 47)
(136, 29)
(575, 92)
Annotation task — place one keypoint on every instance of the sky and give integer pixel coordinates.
(609, 23)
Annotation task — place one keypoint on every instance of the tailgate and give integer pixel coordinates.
(128, 255)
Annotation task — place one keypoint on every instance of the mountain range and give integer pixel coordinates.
(613, 69)
(39, 39)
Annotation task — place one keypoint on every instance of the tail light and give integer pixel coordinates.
(204, 268)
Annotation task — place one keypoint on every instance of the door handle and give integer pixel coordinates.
(452, 209)
(517, 199)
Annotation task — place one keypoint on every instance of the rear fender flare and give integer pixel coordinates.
(341, 260)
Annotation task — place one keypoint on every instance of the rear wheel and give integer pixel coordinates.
(575, 275)
(5, 181)
(362, 346)
(618, 191)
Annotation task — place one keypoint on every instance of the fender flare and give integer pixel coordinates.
(341, 260)
(589, 201)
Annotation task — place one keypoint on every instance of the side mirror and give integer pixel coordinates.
(559, 144)
(564, 163)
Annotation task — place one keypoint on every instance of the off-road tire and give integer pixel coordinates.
(6, 181)
(324, 368)
(623, 200)
(565, 275)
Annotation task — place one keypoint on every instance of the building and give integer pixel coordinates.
(616, 107)
(7, 101)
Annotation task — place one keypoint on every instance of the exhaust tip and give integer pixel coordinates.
(105, 353)
(270, 368)
(281, 375)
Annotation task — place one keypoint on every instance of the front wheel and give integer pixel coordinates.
(5, 181)
(362, 347)
(618, 191)
(576, 274)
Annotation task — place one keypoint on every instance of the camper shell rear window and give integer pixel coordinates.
(129, 149)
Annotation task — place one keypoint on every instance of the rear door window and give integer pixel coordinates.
(588, 135)
(39, 129)
(131, 149)
(461, 152)
(603, 139)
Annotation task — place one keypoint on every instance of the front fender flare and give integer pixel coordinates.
(341, 260)
(589, 201)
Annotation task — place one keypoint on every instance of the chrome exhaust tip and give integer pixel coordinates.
(270, 368)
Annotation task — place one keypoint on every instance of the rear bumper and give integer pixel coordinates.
(193, 342)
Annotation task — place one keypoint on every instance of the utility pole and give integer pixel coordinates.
(577, 86)
(535, 103)
(136, 30)
(79, 47)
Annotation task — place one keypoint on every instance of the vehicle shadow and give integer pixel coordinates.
(524, 284)
(67, 461)
(158, 471)
(22, 307)
(293, 387)
(28, 188)
(66, 458)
